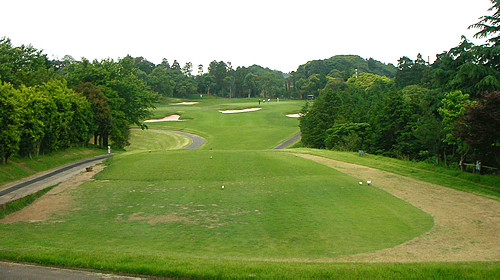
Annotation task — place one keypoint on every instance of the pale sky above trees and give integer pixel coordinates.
(277, 34)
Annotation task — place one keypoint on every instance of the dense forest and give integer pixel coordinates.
(447, 111)
(443, 112)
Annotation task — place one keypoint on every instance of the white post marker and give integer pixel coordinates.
(369, 182)
(109, 149)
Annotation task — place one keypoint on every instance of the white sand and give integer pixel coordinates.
(169, 118)
(184, 103)
(240, 111)
(293, 115)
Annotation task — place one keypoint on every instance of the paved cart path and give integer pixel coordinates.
(288, 142)
(26, 271)
(35, 183)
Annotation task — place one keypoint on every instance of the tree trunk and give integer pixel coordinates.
(461, 163)
(37, 152)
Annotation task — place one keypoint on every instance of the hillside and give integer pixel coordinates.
(343, 66)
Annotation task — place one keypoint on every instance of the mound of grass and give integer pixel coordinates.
(141, 140)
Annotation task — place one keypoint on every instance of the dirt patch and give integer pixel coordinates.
(466, 226)
(55, 202)
(154, 219)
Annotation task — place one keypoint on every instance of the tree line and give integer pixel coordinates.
(442, 112)
(48, 105)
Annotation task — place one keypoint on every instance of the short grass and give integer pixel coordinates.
(152, 140)
(21, 167)
(488, 185)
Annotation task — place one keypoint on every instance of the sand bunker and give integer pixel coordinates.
(294, 115)
(184, 103)
(240, 111)
(169, 118)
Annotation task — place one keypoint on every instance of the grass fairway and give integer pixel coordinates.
(257, 130)
(158, 210)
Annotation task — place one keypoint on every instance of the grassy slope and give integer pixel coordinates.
(18, 168)
(484, 185)
(151, 140)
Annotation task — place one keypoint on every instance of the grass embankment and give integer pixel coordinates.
(488, 185)
(18, 168)
(201, 268)
(152, 140)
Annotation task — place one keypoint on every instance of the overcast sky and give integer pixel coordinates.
(280, 35)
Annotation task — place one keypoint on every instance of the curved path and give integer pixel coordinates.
(197, 140)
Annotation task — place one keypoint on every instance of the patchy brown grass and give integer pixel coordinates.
(56, 202)
(466, 226)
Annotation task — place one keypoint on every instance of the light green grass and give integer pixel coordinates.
(151, 140)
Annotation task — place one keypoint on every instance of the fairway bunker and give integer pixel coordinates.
(240, 111)
(294, 115)
(169, 118)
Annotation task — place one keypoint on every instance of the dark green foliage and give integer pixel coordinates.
(480, 128)
(10, 121)
(24, 65)
(311, 77)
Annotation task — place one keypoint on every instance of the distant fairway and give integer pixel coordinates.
(257, 130)
(156, 209)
